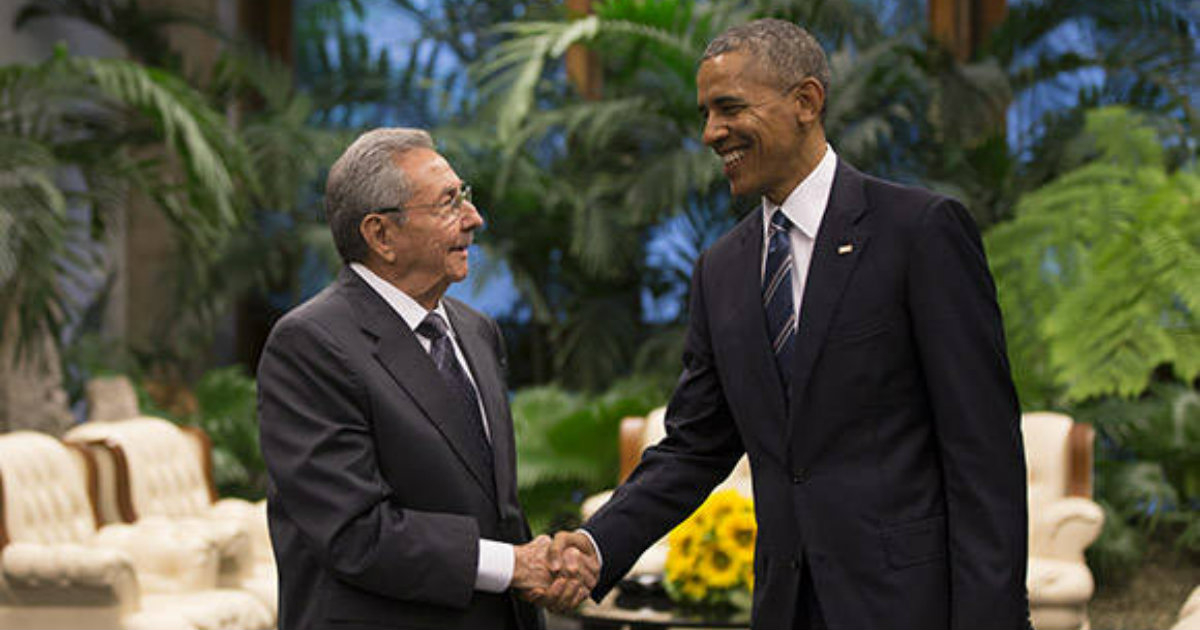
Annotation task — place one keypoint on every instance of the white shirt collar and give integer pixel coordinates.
(407, 308)
(805, 206)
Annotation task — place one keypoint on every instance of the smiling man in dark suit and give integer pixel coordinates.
(384, 419)
(847, 337)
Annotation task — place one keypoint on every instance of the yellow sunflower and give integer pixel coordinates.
(720, 570)
(721, 504)
(694, 587)
(684, 540)
(736, 534)
(679, 566)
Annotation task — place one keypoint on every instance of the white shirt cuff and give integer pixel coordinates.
(595, 547)
(496, 560)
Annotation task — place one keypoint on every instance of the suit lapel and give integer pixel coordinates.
(747, 282)
(486, 371)
(399, 352)
(839, 245)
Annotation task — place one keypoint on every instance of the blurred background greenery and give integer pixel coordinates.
(1069, 128)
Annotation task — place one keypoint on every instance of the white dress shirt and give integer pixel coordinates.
(805, 207)
(496, 559)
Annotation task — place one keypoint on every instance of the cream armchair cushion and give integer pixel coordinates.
(154, 468)
(58, 571)
(1189, 614)
(1063, 520)
(638, 434)
(36, 573)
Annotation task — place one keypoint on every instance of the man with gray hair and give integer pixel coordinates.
(845, 336)
(384, 419)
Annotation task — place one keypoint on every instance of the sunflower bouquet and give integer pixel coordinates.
(710, 563)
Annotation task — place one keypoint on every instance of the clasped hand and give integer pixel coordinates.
(557, 574)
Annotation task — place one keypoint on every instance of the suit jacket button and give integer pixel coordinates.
(796, 564)
(800, 476)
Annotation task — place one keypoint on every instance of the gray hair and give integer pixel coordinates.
(367, 178)
(787, 53)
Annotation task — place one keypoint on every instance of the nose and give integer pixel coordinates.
(473, 218)
(714, 131)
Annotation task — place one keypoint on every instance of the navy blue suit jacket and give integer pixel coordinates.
(896, 471)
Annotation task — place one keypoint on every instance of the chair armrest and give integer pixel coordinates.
(592, 504)
(1062, 529)
(67, 575)
(232, 537)
(167, 558)
(253, 517)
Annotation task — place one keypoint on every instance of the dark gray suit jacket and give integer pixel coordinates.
(893, 467)
(376, 508)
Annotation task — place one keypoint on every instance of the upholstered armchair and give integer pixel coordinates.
(636, 435)
(58, 569)
(152, 468)
(1063, 519)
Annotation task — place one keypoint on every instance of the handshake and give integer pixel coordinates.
(556, 574)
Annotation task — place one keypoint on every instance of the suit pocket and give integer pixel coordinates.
(917, 542)
(861, 329)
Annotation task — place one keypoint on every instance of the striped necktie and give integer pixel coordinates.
(434, 328)
(777, 294)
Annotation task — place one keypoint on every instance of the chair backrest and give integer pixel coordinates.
(1058, 456)
(638, 434)
(159, 468)
(44, 491)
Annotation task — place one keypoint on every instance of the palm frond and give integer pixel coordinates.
(1102, 264)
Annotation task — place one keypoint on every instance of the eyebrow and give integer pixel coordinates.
(721, 101)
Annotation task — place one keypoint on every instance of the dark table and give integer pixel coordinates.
(608, 616)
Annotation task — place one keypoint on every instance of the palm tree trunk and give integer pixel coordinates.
(963, 25)
(31, 392)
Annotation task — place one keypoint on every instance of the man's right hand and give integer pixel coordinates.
(576, 569)
(531, 568)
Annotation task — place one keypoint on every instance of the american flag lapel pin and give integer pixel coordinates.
(845, 249)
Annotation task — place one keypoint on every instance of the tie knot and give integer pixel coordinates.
(433, 327)
(779, 221)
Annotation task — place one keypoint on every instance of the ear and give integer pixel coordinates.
(810, 100)
(374, 228)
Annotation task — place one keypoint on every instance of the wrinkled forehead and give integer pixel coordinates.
(730, 74)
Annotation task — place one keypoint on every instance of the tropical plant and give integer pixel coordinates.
(78, 136)
(140, 27)
(258, 270)
(227, 410)
(1148, 474)
(1067, 57)
(285, 253)
(567, 444)
(610, 174)
(1097, 272)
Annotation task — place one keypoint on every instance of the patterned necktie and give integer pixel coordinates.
(434, 328)
(777, 294)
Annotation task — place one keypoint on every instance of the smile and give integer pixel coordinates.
(732, 159)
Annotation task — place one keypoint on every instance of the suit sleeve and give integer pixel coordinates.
(318, 445)
(701, 447)
(960, 340)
